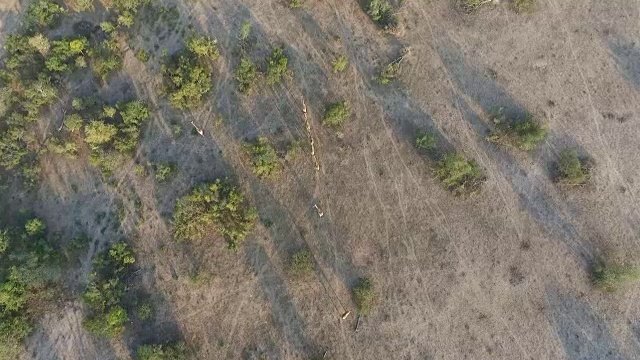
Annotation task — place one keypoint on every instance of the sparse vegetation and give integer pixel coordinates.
(364, 296)
(167, 351)
(426, 141)
(525, 134)
(220, 206)
(339, 64)
(571, 170)
(473, 5)
(301, 263)
(165, 172)
(245, 75)
(337, 114)
(611, 277)
(461, 176)
(186, 81)
(264, 159)
(245, 31)
(276, 66)
(294, 4)
(523, 6)
(381, 12)
(389, 72)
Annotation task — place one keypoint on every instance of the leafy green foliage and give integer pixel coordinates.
(142, 55)
(337, 114)
(186, 81)
(610, 277)
(470, 6)
(98, 133)
(145, 311)
(426, 141)
(167, 351)
(245, 75)
(381, 12)
(389, 72)
(339, 64)
(571, 170)
(64, 54)
(294, 4)
(264, 158)
(105, 59)
(461, 176)
(29, 268)
(525, 134)
(44, 13)
(217, 205)
(127, 10)
(364, 296)
(276, 66)
(245, 30)
(73, 123)
(204, 46)
(165, 171)
(301, 263)
(103, 296)
(81, 5)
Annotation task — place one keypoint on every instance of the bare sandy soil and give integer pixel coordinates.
(501, 275)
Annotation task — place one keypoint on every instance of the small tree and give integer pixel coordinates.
(337, 114)
(98, 132)
(204, 46)
(167, 351)
(186, 82)
(245, 75)
(364, 296)
(461, 176)
(44, 13)
(571, 170)
(426, 141)
(339, 64)
(264, 158)
(301, 263)
(217, 205)
(381, 12)
(276, 66)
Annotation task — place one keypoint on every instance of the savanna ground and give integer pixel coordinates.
(501, 274)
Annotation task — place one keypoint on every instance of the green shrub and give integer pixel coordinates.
(245, 30)
(461, 176)
(145, 311)
(103, 296)
(217, 205)
(165, 171)
(186, 82)
(337, 114)
(264, 159)
(67, 148)
(245, 75)
(73, 123)
(301, 263)
(525, 134)
(204, 46)
(82, 5)
(364, 296)
(98, 132)
(390, 72)
(294, 4)
(40, 43)
(426, 141)
(610, 278)
(381, 12)
(44, 13)
(570, 169)
(35, 227)
(105, 59)
(276, 66)
(168, 351)
(472, 5)
(523, 6)
(142, 55)
(64, 54)
(4, 241)
(339, 64)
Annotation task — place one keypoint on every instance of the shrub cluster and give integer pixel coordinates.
(277, 64)
(525, 134)
(461, 176)
(301, 263)
(104, 295)
(218, 205)
(337, 114)
(264, 159)
(610, 277)
(572, 170)
(364, 296)
(381, 12)
(165, 351)
(246, 75)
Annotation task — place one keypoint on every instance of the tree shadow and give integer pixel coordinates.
(626, 54)
(584, 334)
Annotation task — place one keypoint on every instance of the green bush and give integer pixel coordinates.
(167, 351)
(389, 73)
(220, 206)
(186, 82)
(82, 5)
(470, 6)
(525, 134)
(570, 169)
(276, 66)
(44, 13)
(245, 30)
(294, 4)
(264, 159)
(245, 75)
(60, 147)
(364, 296)
(145, 311)
(105, 59)
(204, 46)
(426, 141)
(461, 176)
(337, 114)
(73, 123)
(301, 263)
(98, 132)
(609, 278)
(381, 12)
(103, 296)
(142, 55)
(339, 64)
(165, 171)
(64, 54)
